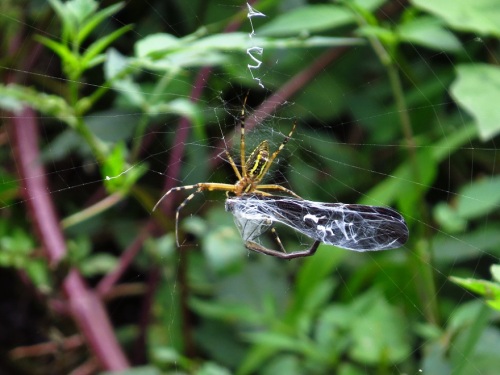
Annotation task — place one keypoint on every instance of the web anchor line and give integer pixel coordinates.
(256, 50)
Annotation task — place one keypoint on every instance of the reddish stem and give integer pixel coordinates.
(86, 308)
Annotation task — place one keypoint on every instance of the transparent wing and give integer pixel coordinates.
(350, 226)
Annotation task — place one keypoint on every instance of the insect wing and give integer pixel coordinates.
(350, 226)
(250, 228)
(359, 227)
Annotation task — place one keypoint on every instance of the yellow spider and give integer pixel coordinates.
(253, 170)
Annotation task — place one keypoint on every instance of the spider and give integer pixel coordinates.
(253, 170)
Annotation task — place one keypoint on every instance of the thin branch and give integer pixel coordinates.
(86, 308)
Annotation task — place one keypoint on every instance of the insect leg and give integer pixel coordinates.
(278, 240)
(278, 187)
(276, 153)
(278, 254)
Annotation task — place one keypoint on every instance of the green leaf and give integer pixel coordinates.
(448, 219)
(469, 245)
(387, 36)
(401, 183)
(81, 9)
(66, 55)
(95, 19)
(223, 247)
(210, 368)
(479, 198)
(98, 264)
(308, 19)
(182, 107)
(280, 342)
(152, 44)
(391, 188)
(226, 311)
(283, 364)
(68, 19)
(483, 357)
(495, 272)
(428, 32)
(477, 16)
(97, 60)
(313, 273)
(139, 370)
(51, 105)
(99, 45)
(118, 175)
(436, 360)
(477, 90)
(485, 288)
(114, 64)
(163, 52)
(9, 186)
(379, 332)
(463, 316)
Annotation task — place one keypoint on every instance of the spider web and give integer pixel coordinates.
(346, 148)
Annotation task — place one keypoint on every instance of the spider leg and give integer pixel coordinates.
(276, 153)
(180, 188)
(233, 164)
(242, 140)
(278, 254)
(200, 187)
(178, 211)
(278, 187)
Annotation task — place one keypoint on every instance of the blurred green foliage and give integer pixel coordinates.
(407, 117)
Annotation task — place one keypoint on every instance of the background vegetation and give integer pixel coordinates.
(108, 105)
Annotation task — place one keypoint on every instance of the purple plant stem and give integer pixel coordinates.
(107, 282)
(85, 307)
